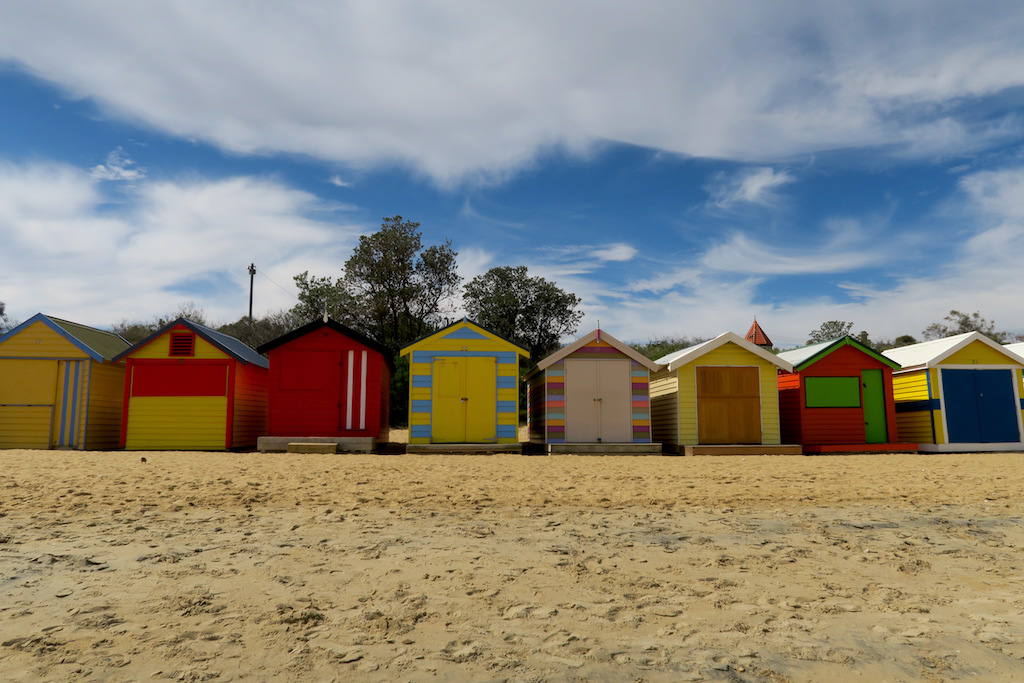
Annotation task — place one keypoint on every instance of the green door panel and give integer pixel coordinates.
(875, 427)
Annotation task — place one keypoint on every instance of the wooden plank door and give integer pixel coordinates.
(728, 405)
(615, 418)
(448, 409)
(481, 382)
(581, 401)
(873, 401)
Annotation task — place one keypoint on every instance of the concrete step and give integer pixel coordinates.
(605, 448)
(743, 449)
(464, 448)
(312, 448)
(343, 444)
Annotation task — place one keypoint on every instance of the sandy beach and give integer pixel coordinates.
(198, 566)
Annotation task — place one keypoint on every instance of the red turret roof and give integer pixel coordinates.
(755, 335)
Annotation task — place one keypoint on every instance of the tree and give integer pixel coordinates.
(532, 312)
(5, 323)
(662, 346)
(959, 323)
(902, 340)
(261, 330)
(135, 331)
(829, 330)
(392, 289)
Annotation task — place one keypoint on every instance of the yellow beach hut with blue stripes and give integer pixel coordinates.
(59, 385)
(464, 387)
(960, 393)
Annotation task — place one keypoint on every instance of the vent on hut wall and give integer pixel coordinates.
(183, 344)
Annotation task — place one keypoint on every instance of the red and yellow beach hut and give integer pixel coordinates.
(188, 387)
(839, 399)
(327, 383)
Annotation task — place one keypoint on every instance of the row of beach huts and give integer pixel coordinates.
(189, 387)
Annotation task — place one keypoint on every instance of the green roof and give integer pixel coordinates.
(106, 344)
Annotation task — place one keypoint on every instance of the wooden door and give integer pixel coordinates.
(615, 421)
(481, 400)
(728, 405)
(581, 401)
(873, 400)
(28, 392)
(448, 410)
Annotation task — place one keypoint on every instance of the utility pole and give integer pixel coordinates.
(252, 275)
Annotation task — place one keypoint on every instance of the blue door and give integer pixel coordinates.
(980, 406)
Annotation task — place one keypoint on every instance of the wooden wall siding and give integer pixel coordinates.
(250, 405)
(38, 340)
(536, 410)
(192, 423)
(28, 402)
(918, 414)
(105, 404)
(554, 402)
(160, 347)
(464, 340)
(824, 426)
(729, 354)
(664, 399)
(641, 402)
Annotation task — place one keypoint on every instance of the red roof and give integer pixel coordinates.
(755, 335)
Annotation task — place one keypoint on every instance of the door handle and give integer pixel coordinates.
(463, 399)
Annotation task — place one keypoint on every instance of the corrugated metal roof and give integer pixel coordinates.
(1017, 348)
(932, 352)
(235, 347)
(798, 356)
(683, 356)
(107, 344)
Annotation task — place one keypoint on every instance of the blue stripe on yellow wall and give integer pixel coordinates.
(499, 356)
(507, 431)
(422, 381)
(421, 406)
(73, 427)
(465, 333)
(507, 382)
(420, 431)
(64, 404)
(506, 406)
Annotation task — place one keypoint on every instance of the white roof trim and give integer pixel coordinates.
(605, 337)
(931, 353)
(683, 356)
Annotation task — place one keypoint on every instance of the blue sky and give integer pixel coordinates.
(682, 167)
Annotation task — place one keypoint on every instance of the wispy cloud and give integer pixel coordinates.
(338, 181)
(118, 167)
(618, 251)
(750, 186)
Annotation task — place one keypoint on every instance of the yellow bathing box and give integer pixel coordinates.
(59, 387)
(463, 386)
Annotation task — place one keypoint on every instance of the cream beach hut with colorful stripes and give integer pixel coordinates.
(592, 396)
(463, 388)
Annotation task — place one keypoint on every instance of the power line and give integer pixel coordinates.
(263, 275)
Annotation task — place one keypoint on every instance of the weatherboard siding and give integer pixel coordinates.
(105, 404)
(664, 397)
(729, 355)
(250, 405)
(39, 340)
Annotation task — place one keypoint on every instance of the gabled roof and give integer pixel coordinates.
(605, 337)
(756, 335)
(683, 356)
(99, 345)
(465, 321)
(1017, 348)
(235, 348)
(808, 355)
(931, 353)
(331, 324)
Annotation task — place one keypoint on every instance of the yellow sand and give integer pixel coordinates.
(197, 566)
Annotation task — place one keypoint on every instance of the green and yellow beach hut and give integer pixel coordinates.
(463, 387)
(59, 385)
(717, 398)
(961, 393)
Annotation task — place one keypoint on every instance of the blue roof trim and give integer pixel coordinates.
(40, 317)
(235, 348)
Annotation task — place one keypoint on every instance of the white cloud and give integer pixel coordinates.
(118, 167)
(169, 241)
(750, 186)
(469, 95)
(338, 181)
(741, 254)
(618, 251)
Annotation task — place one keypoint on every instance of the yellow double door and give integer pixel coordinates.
(465, 395)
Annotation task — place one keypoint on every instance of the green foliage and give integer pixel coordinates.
(532, 312)
(5, 322)
(829, 330)
(959, 323)
(656, 348)
(135, 331)
(261, 330)
(902, 340)
(392, 288)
